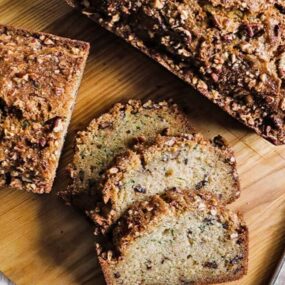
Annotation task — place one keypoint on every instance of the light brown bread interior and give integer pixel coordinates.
(179, 238)
(110, 135)
(187, 161)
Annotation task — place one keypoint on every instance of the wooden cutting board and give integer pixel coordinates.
(44, 242)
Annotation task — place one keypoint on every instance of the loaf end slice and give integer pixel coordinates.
(40, 76)
(110, 135)
(232, 52)
(177, 238)
(186, 161)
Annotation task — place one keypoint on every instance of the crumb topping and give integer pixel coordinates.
(37, 71)
(231, 51)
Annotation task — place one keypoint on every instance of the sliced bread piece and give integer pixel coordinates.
(110, 135)
(177, 238)
(187, 161)
(40, 76)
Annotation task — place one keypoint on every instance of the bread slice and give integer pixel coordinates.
(40, 76)
(187, 161)
(177, 238)
(232, 52)
(110, 135)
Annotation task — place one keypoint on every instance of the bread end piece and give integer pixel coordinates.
(242, 83)
(43, 74)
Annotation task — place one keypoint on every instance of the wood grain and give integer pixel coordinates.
(44, 242)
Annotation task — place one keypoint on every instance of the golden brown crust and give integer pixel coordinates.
(239, 65)
(81, 193)
(144, 216)
(40, 75)
(109, 279)
(103, 215)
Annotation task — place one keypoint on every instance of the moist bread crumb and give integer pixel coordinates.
(232, 51)
(110, 135)
(40, 75)
(186, 161)
(178, 238)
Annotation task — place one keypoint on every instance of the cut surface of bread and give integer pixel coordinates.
(231, 51)
(40, 76)
(186, 161)
(177, 238)
(110, 135)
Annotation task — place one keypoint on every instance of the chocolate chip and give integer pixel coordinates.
(117, 275)
(236, 259)
(164, 259)
(208, 221)
(225, 226)
(211, 264)
(200, 184)
(276, 30)
(240, 241)
(148, 264)
(138, 188)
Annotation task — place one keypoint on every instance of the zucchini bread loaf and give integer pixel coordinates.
(232, 51)
(40, 75)
(177, 238)
(110, 135)
(187, 162)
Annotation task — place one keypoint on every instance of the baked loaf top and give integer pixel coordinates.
(40, 74)
(177, 238)
(232, 51)
(110, 135)
(187, 162)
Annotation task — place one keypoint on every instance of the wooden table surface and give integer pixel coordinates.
(44, 242)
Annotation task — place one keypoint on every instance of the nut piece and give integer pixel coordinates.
(234, 235)
(113, 170)
(281, 66)
(158, 4)
(48, 41)
(58, 126)
(116, 18)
